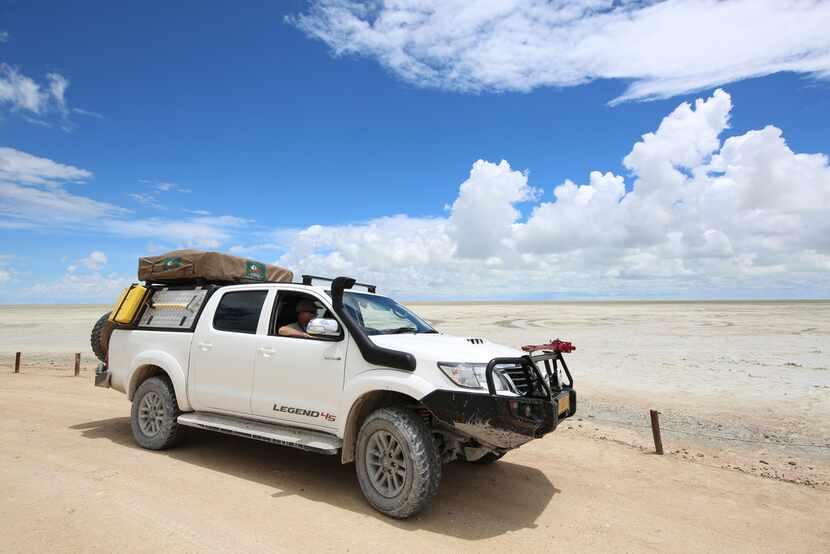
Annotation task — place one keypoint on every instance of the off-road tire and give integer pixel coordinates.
(423, 463)
(99, 340)
(489, 458)
(163, 401)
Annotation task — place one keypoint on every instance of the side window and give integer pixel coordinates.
(286, 309)
(239, 311)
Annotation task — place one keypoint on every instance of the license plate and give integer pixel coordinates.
(564, 403)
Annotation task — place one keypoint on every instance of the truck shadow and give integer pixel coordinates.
(474, 502)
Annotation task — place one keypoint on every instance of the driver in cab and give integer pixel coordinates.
(306, 311)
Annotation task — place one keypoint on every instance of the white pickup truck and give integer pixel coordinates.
(366, 379)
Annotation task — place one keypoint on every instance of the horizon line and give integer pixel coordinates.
(533, 301)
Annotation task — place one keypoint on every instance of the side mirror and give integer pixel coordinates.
(322, 327)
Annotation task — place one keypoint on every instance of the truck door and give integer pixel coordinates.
(222, 353)
(298, 380)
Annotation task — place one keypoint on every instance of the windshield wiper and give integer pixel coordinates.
(400, 330)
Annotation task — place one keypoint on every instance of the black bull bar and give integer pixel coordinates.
(505, 421)
(537, 385)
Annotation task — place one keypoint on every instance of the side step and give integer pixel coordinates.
(304, 439)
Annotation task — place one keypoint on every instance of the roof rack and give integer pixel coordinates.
(308, 278)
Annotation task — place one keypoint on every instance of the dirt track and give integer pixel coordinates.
(71, 479)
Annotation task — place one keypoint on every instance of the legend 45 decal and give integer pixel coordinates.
(307, 413)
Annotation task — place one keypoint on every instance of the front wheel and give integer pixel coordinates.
(154, 415)
(397, 463)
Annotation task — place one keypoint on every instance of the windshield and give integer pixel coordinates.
(379, 315)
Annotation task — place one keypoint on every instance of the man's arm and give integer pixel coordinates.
(292, 331)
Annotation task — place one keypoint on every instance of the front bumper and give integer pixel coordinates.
(498, 421)
(505, 421)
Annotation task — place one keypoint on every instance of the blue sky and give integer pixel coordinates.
(275, 131)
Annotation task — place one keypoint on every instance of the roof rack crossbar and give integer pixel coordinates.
(308, 278)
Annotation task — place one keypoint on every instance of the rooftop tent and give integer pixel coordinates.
(195, 265)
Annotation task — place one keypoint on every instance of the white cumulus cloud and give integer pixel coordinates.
(17, 166)
(34, 195)
(484, 211)
(86, 287)
(95, 261)
(22, 93)
(152, 195)
(701, 216)
(5, 273)
(661, 47)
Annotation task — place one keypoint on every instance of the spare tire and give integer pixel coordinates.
(100, 338)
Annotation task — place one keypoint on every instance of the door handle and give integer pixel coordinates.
(205, 346)
(332, 358)
(266, 352)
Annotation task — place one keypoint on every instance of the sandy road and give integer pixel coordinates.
(71, 479)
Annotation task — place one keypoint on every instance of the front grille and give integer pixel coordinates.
(475, 340)
(518, 377)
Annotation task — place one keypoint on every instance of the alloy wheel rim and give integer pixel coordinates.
(151, 414)
(386, 464)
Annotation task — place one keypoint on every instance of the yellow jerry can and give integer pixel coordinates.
(128, 304)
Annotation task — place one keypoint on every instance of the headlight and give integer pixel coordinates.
(472, 376)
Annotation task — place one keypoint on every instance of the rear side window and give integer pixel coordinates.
(239, 311)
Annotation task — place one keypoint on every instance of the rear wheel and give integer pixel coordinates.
(397, 462)
(154, 413)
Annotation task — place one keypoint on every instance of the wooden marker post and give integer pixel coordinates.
(655, 430)
(17, 362)
(77, 363)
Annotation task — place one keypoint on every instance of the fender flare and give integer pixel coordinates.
(169, 366)
(372, 384)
